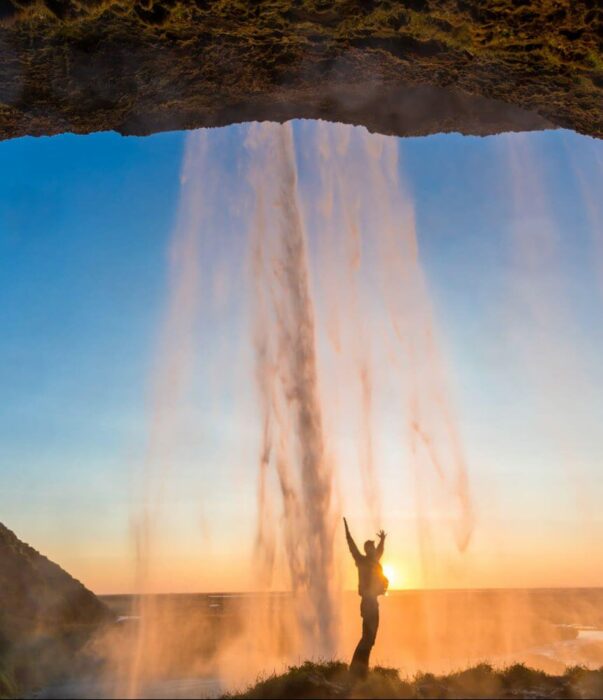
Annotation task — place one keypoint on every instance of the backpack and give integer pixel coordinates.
(380, 580)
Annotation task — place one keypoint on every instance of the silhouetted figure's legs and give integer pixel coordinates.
(369, 610)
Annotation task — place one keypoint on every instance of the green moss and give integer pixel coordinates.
(219, 58)
(595, 60)
(8, 684)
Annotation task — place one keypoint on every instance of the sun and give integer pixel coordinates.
(392, 576)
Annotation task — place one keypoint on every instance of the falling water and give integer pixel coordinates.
(370, 220)
(288, 378)
(361, 205)
(171, 380)
(344, 231)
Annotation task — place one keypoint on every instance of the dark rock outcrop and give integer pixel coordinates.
(407, 68)
(45, 614)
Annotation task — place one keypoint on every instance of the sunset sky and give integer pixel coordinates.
(85, 229)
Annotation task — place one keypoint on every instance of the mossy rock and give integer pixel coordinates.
(412, 68)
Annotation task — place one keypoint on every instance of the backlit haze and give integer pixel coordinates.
(510, 236)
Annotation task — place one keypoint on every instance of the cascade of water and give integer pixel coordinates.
(170, 381)
(365, 254)
(288, 379)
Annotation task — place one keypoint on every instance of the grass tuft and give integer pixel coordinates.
(332, 680)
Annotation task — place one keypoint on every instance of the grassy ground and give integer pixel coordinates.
(332, 680)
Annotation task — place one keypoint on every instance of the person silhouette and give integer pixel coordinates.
(371, 584)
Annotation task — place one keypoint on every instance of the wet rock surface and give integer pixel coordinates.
(411, 68)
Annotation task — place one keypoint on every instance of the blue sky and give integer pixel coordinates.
(85, 224)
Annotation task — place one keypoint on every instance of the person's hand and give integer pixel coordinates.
(381, 535)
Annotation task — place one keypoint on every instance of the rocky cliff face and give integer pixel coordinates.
(45, 614)
(407, 68)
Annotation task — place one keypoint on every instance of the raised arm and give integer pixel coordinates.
(381, 535)
(351, 544)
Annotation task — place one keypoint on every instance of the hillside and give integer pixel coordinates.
(45, 615)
